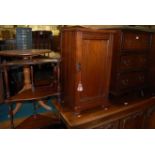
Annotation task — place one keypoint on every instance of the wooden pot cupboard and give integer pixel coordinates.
(86, 62)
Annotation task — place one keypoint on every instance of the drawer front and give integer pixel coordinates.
(134, 62)
(111, 125)
(149, 118)
(131, 80)
(133, 121)
(135, 41)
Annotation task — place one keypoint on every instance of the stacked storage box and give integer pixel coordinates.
(24, 38)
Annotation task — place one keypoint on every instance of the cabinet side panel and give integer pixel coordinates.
(68, 48)
(115, 62)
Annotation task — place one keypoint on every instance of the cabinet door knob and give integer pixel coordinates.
(78, 67)
(125, 103)
(126, 62)
(137, 37)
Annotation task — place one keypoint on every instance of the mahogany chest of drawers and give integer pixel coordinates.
(130, 62)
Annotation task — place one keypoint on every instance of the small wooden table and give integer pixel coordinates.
(28, 57)
(25, 55)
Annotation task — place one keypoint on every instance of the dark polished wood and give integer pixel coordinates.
(133, 121)
(24, 53)
(130, 62)
(135, 40)
(38, 122)
(86, 62)
(131, 114)
(152, 64)
(37, 94)
(29, 91)
(34, 61)
(149, 118)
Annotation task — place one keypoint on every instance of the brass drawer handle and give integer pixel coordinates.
(141, 78)
(126, 62)
(78, 67)
(125, 82)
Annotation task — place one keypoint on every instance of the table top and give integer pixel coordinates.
(24, 53)
(98, 114)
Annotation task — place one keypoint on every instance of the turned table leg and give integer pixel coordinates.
(11, 116)
(27, 78)
(27, 85)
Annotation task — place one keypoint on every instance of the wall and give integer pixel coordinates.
(52, 28)
(11, 29)
(55, 28)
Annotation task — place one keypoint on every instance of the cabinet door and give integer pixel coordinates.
(150, 118)
(95, 64)
(111, 125)
(133, 121)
